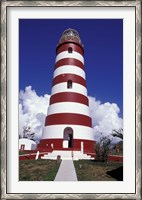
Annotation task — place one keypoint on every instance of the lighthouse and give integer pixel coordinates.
(68, 125)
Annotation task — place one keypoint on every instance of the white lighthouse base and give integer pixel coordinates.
(67, 155)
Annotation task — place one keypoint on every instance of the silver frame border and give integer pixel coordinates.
(4, 4)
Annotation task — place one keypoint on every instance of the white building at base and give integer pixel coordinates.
(26, 144)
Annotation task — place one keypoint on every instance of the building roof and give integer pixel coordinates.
(25, 140)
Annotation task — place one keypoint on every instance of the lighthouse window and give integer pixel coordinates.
(69, 50)
(69, 84)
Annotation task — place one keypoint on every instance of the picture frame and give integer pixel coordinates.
(5, 90)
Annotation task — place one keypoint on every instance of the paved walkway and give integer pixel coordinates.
(66, 171)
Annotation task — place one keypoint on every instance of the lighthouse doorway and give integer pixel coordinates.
(68, 138)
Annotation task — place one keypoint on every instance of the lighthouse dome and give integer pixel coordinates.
(71, 32)
(70, 35)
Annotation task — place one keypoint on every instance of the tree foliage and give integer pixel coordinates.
(102, 149)
(27, 133)
(117, 133)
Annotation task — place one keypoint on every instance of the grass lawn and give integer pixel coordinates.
(21, 153)
(38, 170)
(89, 170)
(117, 153)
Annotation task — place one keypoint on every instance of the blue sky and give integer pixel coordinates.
(103, 46)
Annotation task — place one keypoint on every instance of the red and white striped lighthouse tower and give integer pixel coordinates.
(68, 125)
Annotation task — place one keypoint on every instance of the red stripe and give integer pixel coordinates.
(69, 61)
(64, 47)
(74, 41)
(69, 97)
(46, 145)
(68, 118)
(66, 77)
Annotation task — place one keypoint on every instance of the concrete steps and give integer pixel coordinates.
(53, 155)
(67, 155)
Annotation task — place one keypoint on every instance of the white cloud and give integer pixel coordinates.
(33, 110)
(105, 118)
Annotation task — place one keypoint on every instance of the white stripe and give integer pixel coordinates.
(62, 87)
(57, 131)
(65, 54)
(69, 69)
(68, 107)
